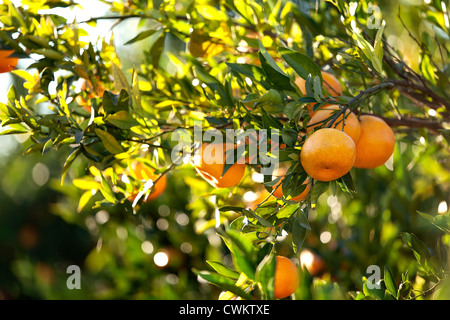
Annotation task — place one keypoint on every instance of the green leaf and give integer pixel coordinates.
(16, 128)
(113, 103)
(265, 275)
(299, 225)
(373, 54)
(308, 41)
(109, 141)
(389, 281)
(346, 184)
(441, 221)
(375, 293)
(253, 215)
(277, 77)
(212, 13)
(317, 190)
(84, 199)
(223, 282)
(289, 134)
(122, 119)
(298, 236)
(427, 69)
(12, 95)
(287, 211)
(317, 85)
(255, 73)
(419, 249)
(302, 64)
(241, 242)
(309, 86)
(378, 48)
(108, 103)
(107, 191)
(49, 53)
(141, 36)
(231, 208)
(120, 80)
(214, 84)
(242, 251)
(271, 96)
(243, 263)
(91, 154)
(74, 153)
(302, 219)
(292, 110)
(86, 184)
(223, 270)
(270, 121)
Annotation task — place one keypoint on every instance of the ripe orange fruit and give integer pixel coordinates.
(254, 140)
(328, 154)
(349, 124)
(302, 196)
(330, 83)
(376, 143)
(210, 160)
(312, 262)
(286, 278)
(7, 63)
(260, 197)
(278, 193)
(144, 173)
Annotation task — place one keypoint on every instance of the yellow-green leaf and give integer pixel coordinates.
(109, 141)
(121, 119)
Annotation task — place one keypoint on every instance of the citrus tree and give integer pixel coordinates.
(293, 129)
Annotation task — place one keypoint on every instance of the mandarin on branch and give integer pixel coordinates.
(376, 143)
(210, 160)
(286, 278)
(328, 154)
(348, 123)
(278, 193)
(145, 173)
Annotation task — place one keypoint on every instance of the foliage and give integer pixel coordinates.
(232, 64)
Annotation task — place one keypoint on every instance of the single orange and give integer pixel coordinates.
(278, 193)
(261, 195)
(286, 279)
(328, 154)
(376, 143)
(330, 83)
(210, 160)
(312, 262)
(144, 173)
(7, 63)
(349, 124)
(302, 196)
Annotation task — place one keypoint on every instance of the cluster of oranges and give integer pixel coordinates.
(337, 141)
(341, 141)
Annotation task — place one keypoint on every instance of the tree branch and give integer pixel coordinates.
(411, 122)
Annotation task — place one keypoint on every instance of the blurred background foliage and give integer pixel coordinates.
(150, 255)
